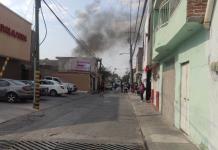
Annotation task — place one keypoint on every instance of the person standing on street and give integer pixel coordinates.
(141, 90)
(121, 86)
(102, 89)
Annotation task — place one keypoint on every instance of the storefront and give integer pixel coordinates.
(15, 45)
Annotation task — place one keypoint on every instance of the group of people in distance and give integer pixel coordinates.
(139, 89)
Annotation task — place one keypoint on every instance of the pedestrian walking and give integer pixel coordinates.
(121, 86)
(141, 90)
(102, 89)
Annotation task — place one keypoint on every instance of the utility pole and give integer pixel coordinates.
(36, 57)
(130, 48)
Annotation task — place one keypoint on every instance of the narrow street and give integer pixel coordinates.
(90, 122)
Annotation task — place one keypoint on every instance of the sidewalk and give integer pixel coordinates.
(157, 134)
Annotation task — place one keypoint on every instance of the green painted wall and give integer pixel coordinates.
(194, 51)
(165, 34)
(187, 41)
(155, 22)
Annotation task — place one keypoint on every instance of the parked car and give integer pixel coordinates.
(54, 87)
(13, 90)
(70, 87)
(43, 90)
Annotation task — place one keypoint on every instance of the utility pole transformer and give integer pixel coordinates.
(36, 57)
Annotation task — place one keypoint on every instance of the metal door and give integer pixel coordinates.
(168, 91)
(184, 115)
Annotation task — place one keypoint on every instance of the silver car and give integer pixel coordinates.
(13, 90)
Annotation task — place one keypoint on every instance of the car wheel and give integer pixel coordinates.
(11, 97)
(53, 93)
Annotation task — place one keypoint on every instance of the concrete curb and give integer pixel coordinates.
(140, 129)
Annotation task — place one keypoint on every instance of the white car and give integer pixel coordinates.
(70, 87)
(54, 88)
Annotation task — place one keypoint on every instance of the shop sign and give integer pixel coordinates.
(83, 66)
(12, 33)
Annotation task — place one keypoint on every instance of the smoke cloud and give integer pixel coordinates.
(100, 29)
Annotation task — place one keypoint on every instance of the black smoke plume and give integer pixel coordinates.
(100, 29)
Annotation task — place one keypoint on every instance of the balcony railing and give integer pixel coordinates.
(166, 9)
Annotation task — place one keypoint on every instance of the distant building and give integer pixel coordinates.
(82, 71)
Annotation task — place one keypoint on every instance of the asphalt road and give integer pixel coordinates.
(86, 119)
(10, 111)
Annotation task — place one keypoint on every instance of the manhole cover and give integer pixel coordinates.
(47, 145)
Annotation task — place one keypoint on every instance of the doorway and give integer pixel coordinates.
(184, 98)
(168, 90)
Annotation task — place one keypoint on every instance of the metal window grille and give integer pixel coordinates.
(166, 10)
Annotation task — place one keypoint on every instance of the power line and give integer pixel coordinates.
(68, 31)
(46, 30)
(61, 6)
(130, 22)
(33, 15)
(61, 9)
(137, 16)
(138, 33)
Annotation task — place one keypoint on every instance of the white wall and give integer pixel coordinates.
(213, 56)
(146, 30)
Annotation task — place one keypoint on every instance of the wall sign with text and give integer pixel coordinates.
(12, 33)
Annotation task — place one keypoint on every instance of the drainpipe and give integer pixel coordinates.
(208, 14)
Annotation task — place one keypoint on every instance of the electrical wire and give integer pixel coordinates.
(61, 6)
(138, 33)
(33, 15)
(130, 26)
(61, 9)
(46, 29)
(137, 16)
(67, 29)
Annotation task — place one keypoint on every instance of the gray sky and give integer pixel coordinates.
(59, 43)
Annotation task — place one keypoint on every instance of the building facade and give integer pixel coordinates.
(139, 65)
(82, 71)
(185, 65)
(212, 53)
(15, 45)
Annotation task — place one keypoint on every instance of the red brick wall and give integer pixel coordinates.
(196, 10)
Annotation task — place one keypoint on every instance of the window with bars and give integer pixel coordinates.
(166, 9)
